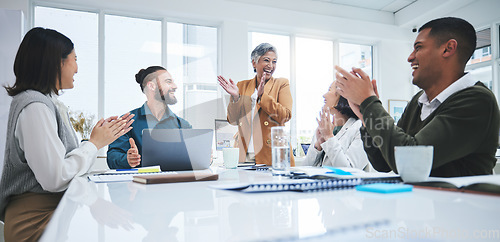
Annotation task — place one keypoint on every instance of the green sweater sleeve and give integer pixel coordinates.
(462, 129)
(373, 152)
(383, 132)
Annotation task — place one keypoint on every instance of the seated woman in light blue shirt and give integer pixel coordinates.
(337, 142)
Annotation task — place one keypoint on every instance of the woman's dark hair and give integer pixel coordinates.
(344, 108)
(143, 73)
(38, 61)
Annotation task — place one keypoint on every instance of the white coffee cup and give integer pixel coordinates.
(414, 163)
(230, 156)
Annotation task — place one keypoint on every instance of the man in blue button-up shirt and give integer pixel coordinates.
(159, 87)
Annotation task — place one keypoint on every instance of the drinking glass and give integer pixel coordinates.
(280, 143)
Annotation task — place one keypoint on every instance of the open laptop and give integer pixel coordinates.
(177, 149)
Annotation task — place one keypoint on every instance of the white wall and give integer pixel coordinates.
(11, 31)
(477, 12)
(394, 79)
(232, 57)
(480, 13)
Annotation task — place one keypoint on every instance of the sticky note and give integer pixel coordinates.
(337, 171)
(149, 169)
(385, 188)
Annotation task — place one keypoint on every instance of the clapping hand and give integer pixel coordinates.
(325, 124)
(319, 140)
(325, 127)
(229, 86)
(260, 88)
(108, 130)
(355, 107)
(355, 86)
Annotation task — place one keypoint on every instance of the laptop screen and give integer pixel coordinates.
(177, 149)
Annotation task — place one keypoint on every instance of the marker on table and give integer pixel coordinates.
(142, 169)
(127, 169)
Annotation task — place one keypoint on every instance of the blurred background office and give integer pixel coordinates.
(196, 40)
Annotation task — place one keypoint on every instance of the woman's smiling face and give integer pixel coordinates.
(331, 97)
(68, 69)
(266, 64)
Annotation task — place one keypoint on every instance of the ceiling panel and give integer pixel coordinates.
(380, 5)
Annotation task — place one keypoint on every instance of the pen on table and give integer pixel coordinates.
(126, 169)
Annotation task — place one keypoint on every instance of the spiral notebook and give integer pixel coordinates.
(305, 185)
(120, 177)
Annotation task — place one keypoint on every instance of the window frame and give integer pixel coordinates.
(101, 13)
(336, 40)
(495, 57)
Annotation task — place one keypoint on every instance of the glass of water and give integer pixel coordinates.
(280, 143)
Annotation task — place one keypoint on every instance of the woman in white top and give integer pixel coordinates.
(42, 153)
(337, 142)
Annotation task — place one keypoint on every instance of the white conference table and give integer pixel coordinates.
(194, 211)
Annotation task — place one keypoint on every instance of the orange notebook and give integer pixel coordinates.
(176, 177)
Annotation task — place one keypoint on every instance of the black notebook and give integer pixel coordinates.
(487, 184)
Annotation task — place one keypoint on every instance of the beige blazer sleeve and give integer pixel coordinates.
(277, 102)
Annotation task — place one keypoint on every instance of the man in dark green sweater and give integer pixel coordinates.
(453, 112)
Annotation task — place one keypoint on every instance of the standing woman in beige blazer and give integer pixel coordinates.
(258, 104)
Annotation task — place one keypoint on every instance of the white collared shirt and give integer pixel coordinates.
(345, 149)
(254, 103)
(36, 132)
(429, 106)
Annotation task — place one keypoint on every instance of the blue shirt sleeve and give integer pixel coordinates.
(117, 153)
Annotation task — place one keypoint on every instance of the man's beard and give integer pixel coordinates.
(165, 97)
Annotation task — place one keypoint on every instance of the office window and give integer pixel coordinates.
(483, 47)
(189, 52)
(82, 29)
(314, 74)
(354, 55)
(483, 74)
(480, 64)
(192, 61)
(130, 45)
(313, 66)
